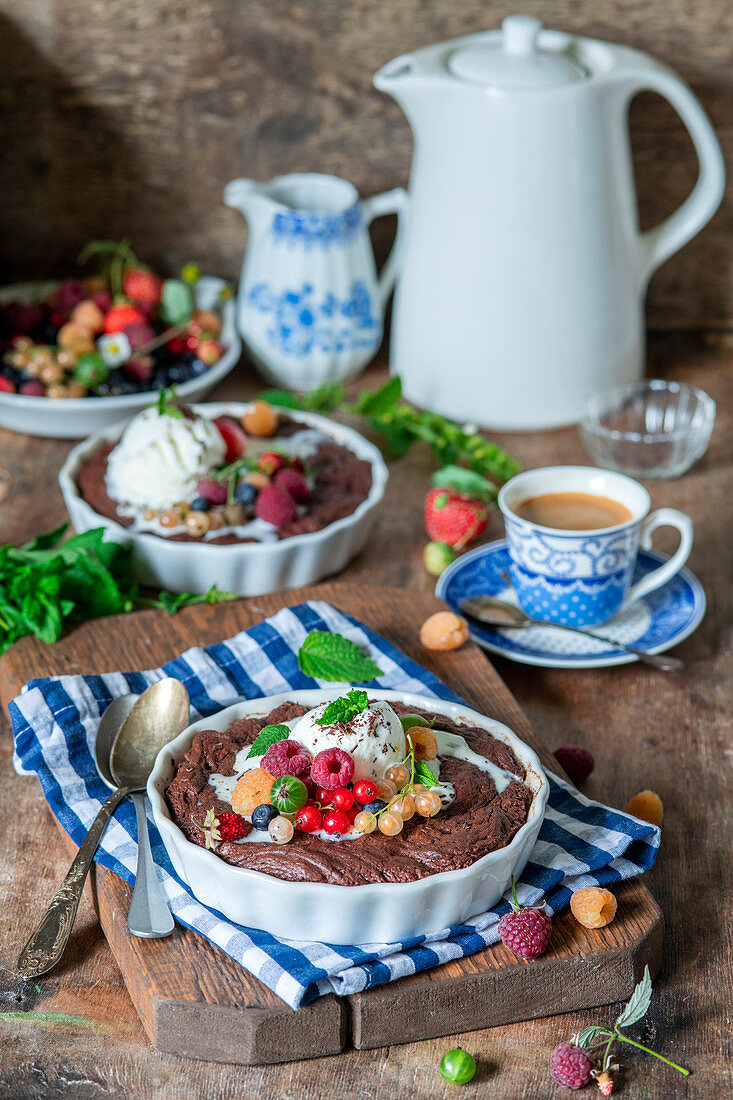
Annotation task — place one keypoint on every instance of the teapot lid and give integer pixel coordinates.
(513, 61)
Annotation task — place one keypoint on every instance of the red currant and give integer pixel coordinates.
(336, 822)
(365, 791)
(308, 819)
(323, 796)
(352, 813)
(343, 798)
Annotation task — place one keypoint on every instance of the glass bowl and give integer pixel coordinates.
(648, 429)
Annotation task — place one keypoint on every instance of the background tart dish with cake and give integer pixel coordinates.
(240, 495)
(418, 809)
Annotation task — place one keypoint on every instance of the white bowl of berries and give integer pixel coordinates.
(366, 818)
(72, 361)
(243, 496)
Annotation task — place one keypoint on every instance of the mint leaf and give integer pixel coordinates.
(268, 735)
(638, 1005)
(176, 302)
(324, 399)
(380, 401)
(344, 708)
(466, 482)
(423, 774)
(329, 656)
(282, 398)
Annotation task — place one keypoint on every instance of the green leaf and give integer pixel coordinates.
(330, 656)
(380, 401)
(410, 720)
(268, 735)
(344, 708)
(176, 302)
(588, 1036)
(166, 403)
(45, 542)
(638, 1005)
(423, 774)
(324, 399)
(466, 482)
(282, 398)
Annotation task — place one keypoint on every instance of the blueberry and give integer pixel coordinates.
(262, 816)
(198, 367)
(200, 504)
(375, 806)
(245, 493)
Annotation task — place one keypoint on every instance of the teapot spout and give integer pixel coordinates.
(410, 81)
(245, 196)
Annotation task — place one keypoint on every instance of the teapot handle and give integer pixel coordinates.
(389, 202)
(661, 242)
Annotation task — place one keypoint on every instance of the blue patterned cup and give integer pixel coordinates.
(580, 578)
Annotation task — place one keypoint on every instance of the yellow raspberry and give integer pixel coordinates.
(648, 806)
(593, 906)
(443, 631)
(252, 790)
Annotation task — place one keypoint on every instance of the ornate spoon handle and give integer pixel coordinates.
(47, 944)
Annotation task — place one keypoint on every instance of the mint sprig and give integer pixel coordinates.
(268, 735)
(166, 403)
(344, 708)
(329, 656)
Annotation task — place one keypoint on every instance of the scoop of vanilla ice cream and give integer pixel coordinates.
(374, 738)
(160, 458)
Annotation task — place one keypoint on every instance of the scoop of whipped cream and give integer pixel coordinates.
(160, 458)
(374, 738)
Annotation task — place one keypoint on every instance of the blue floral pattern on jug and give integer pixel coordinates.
(579, 602)
(301, 324)
(296, 227)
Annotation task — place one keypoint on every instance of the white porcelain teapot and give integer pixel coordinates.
(524, 271)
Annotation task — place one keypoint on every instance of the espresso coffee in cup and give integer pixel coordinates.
(573, 534)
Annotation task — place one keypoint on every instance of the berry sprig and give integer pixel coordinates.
(210, 828)
(576, 1059)
(419, 776)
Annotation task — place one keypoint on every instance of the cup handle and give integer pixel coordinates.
(389, 202)
(663, 517)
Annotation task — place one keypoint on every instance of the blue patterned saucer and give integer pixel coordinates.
(655, 622)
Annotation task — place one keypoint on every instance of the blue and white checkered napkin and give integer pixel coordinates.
(582, 843)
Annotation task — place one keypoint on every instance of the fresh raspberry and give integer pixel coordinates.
(6, 386)
(233, 436)
(252, 789)
(141, 370)
(139, 334)
(332, 768)
(648, 806)
(270, 462)
(454, 519)
(213, 491)
(287, 758)
(69, 294)
(119, 317)
(526, 932)
(33, 389)
(570, 1066)
(177, 345)
(103, 299)
(577, 762)
(293, 482)
(593, 906)
(275, 506)
(142, 286)
(233, 826)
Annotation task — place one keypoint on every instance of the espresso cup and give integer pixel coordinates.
(580, 578)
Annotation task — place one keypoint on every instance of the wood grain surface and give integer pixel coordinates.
(193, 1000)
(127, 118)
(78, 1033)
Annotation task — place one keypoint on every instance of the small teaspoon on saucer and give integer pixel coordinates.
(491, 611)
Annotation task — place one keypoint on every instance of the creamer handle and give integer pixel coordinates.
(661, 242)
(389, 202)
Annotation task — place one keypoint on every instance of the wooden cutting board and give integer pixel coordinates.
(195, 1001)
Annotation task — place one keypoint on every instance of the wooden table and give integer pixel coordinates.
(77, 1034)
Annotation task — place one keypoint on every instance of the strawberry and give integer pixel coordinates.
(454, 519)
(233, 436)
(119, 317)
(142, 286)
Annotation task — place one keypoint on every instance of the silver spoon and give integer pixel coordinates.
(149, 915)
(132, 755)
(491, 611)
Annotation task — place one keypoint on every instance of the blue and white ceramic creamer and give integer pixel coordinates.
(580, 578)
(311, 306)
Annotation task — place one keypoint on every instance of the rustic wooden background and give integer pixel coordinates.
(127, 117)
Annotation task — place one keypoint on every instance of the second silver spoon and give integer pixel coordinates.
(491, 611)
